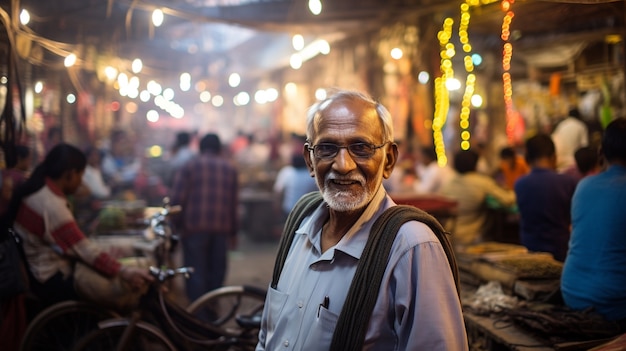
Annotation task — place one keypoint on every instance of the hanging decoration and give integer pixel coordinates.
(470, 80)
(507, 53)
(442, 98)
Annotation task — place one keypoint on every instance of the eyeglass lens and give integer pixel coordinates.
(328, 150)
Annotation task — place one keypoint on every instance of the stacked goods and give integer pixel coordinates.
(531, 266)
(119, 216)
(508, 269)
(492, 247)
(111, 219)
(508, 263)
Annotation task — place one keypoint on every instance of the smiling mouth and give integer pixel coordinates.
(344, 182)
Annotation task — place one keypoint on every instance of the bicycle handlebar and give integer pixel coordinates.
(161, 275)
(170, 210)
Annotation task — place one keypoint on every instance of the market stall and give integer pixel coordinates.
(259, 214)
(443, 208)
(511, 301)
(121, 228)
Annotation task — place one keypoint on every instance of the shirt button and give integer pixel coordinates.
(300, 304)
(286, 343)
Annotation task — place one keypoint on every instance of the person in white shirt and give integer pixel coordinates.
(92, 178)
(472, 189)
(431, 176)
(569, 135)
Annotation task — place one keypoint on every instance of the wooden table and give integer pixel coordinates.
(494, 334)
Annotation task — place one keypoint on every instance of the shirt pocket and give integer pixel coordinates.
(276, 301)
(322, 330)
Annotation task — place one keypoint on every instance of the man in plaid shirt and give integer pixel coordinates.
(206, 187)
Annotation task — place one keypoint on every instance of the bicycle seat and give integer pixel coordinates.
(249, 321)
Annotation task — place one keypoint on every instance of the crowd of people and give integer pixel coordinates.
(568, 198)
(531, 186)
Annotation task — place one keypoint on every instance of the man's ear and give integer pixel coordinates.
(307, 158)
(391, 156)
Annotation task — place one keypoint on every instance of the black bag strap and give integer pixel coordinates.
(357, 310)
(363, 293)
(10, 234)
(303, 208)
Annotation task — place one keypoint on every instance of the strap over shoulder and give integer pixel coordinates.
(357, 310)
(355, 315)
(302, 208)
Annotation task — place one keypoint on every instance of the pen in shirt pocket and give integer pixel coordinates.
(324, 304)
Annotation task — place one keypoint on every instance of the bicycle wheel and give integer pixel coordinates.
(59, 326)
(223, 306)
(144, 337)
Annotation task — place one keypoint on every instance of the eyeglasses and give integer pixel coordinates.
(326, 151)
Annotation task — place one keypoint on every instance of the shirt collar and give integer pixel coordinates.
(355, 239)
(616, 168)
(54, 188)
(541, 170)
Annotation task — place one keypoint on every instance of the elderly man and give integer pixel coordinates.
(350, 151)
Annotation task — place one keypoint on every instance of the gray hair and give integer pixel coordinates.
(316, 110)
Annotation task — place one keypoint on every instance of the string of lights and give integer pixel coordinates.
(470, 80)
(507, 84)
(442, 96)
(125, 77)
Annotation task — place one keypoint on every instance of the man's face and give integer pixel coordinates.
(349, 183)
(72, 181)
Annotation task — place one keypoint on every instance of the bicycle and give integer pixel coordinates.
(236, 309)
(60, 325)
(230, 306)
(158, 324)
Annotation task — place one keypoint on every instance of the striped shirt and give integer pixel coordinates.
(207, 189)
(52, 239)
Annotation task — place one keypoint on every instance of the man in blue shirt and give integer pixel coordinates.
(594, 274)
(544, 198)
(350, 150)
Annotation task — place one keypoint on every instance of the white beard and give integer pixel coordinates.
(345, 201)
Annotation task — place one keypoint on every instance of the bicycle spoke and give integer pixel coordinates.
(58, 327)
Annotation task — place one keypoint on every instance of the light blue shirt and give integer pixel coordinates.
(594, 274)
(417, 307)
(298, 184)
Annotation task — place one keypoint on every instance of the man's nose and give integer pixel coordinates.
(344, 163)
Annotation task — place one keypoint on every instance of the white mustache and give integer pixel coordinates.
(336, 177)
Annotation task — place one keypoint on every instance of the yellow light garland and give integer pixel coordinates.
(442, 99)
(507, 53)
(442, 102)
(470, 80)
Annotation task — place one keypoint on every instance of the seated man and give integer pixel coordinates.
(594, 274)
(587, 163)
(512, 167)
(472, 190)
(544, 199)
(431, 176)
(53, 243)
